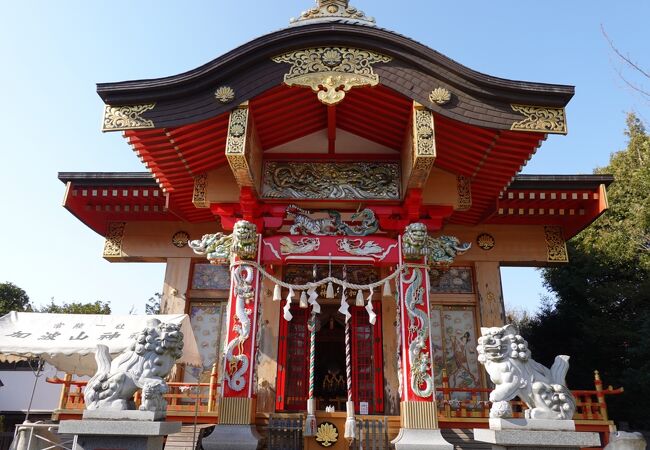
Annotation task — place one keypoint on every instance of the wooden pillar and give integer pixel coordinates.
(490, 295)
(177, 276)
(237, 402)
(418, 405)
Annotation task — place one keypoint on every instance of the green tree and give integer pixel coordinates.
(13, 298)
(153, 304)
(97, 307)
(601, 315)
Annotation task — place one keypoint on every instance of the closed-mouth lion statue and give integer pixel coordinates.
(506, 358)
(143, 365)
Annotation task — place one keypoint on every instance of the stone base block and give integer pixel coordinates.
(118, 434)
(419, 439)
(532, 424)
(118, 428)
(537, 439)
(108, 414)
(232, 437)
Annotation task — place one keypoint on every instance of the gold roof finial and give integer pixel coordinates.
(333, 10)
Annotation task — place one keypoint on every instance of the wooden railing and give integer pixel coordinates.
(454, 404)
(182, 397)
(468, 403)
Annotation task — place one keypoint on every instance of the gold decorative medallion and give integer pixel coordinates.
(327, 434)
(225, 94)
(485, 241)
(440, 96)
(114, 237)
(199, 195)
(333, 9)
(464, 186)
(331, 71)
(555, 244)
(117, 118)
(180, 239)
(540, 118)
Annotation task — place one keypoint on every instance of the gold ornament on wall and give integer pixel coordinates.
(129, 117)
(464, 187)
(331, 71)
(540, 118)
(114, 237)
(327, 434)
(485, 241)
(555, 244)
(440, 96)
(225, 94)
(180, 239)
(199, 194)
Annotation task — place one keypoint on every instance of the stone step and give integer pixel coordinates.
(186, 439)
(462, 439)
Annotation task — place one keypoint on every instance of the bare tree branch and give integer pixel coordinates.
(630, 63)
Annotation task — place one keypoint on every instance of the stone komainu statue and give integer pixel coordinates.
(507, 360)
(144, 365)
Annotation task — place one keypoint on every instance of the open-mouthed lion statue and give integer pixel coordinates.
(507, 360)
(144, 366)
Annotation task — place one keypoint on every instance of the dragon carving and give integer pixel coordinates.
(332, 225)
(237, 364)
(219, 247)
(418, 335)
(506, 358)
(416, 243)
(144, 366)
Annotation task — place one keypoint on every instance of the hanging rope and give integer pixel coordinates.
(310, 422)
(301, 287)
(350, 423)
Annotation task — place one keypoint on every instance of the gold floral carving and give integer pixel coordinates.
(540, 118)
(350, 180)
(236, 146)
(464, 186)
(128, 117)
(424, 139)
(224, 94)
(331, 71)
(199, 195)
(180, 239)
(555, 244)
(327, 434)
(114, 237)
(333, 9)
(485, 241)
(440, 96)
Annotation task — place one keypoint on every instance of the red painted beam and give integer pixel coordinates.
(331, 129)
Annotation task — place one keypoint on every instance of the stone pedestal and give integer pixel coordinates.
(118, 434)
(515, 434)
(232, 437)
(414, 439)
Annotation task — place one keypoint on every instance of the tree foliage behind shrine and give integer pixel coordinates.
(601, 316)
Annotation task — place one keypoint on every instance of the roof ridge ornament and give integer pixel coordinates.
(330, 10)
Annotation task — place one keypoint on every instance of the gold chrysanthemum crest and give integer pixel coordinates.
(224, 94)
(440, 96)
(339, 10)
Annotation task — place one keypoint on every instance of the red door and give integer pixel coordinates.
(293, 359)
(367, 360)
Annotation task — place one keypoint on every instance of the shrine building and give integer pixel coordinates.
(367, 192)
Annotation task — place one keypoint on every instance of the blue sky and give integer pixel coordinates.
(53, 53)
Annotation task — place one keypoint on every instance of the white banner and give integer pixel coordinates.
(68, 341)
